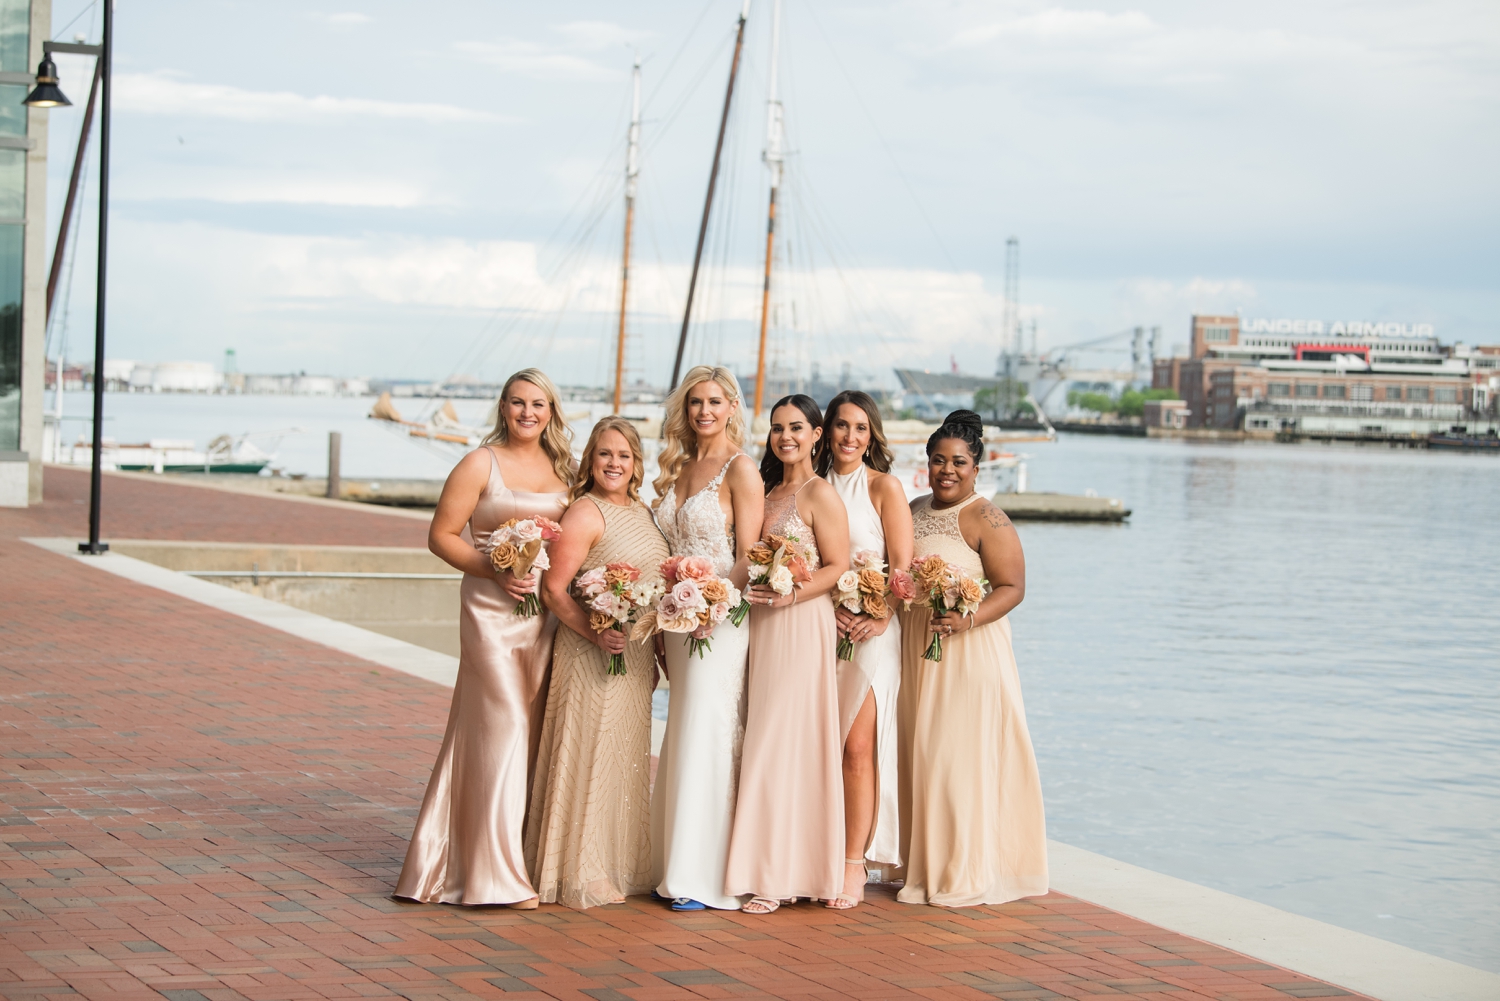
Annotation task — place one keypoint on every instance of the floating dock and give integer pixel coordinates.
(1061, 507)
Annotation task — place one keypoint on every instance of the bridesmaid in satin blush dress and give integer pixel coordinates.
(467, 848)
(788, 838)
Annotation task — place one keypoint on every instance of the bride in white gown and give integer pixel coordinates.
(856, 459)
(710, 501)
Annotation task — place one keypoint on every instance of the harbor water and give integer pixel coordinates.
(1279, 678)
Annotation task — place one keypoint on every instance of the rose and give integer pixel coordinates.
(901, 585)
(504, 555)
(715, 590)
(930, 572)
(682, 622)
(526, 531)
(591, 583)
(970, 591)
(695, 568)
(688, 595)
(621, 573)
(776, 542)
(851, 603)
(600, 621)
(871, 581)
(866, 559)
(761, 554)
(848, 581)
(718, 611)
(669, 568)
(875, 606)
(611, 604)
(798, 566)
(781, 580)
(668, 608)
(551, 530)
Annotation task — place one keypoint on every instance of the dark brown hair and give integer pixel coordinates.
(877, 456)
(771, 468)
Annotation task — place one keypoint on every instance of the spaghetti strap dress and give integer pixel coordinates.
(789, 823)
(466, 848)
(972, 827)
(588, 838)
(697, 770)
(876, 667)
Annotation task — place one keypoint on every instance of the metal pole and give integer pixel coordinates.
(96, 478)
(335, 448)
(632, 169)
(708, 203)
(774, 159)
(67, 216)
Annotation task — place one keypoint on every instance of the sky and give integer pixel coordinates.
(405, 190)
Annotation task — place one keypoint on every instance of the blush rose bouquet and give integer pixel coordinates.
(520, 546)
(695, 601)
(862, 589)
(948, 589)
(616, 597)
(779, 562)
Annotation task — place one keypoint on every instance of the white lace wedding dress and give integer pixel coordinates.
(697, 772)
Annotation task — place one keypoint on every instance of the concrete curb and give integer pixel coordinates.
(1326, 952)
(383, 650)
(1349, 959)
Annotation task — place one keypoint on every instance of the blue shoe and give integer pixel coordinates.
(688, 904)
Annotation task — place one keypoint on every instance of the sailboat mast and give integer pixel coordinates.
(774, 159)
(632, 171)
(708, 202)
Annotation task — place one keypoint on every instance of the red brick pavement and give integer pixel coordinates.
(195, 807)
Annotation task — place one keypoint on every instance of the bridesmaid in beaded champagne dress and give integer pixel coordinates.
(855, 458)
(466, 848)
(588, 836)
(788, 836)
(710, 502)
(972, 826)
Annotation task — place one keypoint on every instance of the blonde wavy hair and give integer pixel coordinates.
(585, 482)
(557, 437)
(681, 441)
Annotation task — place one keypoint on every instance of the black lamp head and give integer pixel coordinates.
(46, 94)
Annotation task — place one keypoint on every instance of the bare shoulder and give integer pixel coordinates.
(886, 488)
(583, 514)
(819, 491)
(473, 469)
(743, 475)
(988, 515)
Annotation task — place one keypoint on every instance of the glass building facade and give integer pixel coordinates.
(15, 44)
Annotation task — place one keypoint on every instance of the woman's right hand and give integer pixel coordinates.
(517, 587)
(611, 641)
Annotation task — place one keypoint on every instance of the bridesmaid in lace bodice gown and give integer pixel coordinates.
(466, 848)
(709, 505)
(789, 820)
(588, 836)
(972, 827)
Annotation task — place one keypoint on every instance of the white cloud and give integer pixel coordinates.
(345, 17)
(167, 93)
(541, 61)
(238, 187)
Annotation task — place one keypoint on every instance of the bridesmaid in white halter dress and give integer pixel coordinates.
(710, 502)
(854, 457)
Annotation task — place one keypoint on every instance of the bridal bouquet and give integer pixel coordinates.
(779, 562)
(948, 589)
(616, 596)
(695, 601)
(519, 546)
(862, 589)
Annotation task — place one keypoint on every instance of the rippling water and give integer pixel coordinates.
(1281, 678)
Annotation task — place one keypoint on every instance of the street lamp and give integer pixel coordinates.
(48, 95)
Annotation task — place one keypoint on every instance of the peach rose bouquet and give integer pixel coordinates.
(695, 601)
(778, 562)
(520, 546)
(862, 589)
(948, 589)
(616, 596)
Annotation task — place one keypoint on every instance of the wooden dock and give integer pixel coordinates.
(1061, 507)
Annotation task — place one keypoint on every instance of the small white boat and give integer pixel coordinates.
(224, 454)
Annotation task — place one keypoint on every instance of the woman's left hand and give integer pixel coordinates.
(950, 624)
(862, 627)
(767, 597)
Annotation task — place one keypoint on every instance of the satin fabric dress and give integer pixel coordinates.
(466, 848)
(788, 836)
(972, 826)
(697, 770)
(588, 836)
(876, 667)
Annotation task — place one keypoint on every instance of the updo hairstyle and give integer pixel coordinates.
(965, 425)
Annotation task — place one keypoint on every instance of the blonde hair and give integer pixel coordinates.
(557, 437)
(681, 441)
(585, 482)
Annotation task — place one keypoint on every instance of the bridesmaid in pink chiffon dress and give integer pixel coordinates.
(788, 837)
(467, 848)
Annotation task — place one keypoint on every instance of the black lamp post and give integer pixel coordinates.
(47, 95)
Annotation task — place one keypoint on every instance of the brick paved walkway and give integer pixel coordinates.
(194, 807)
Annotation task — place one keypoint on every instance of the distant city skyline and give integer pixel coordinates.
(362, 192)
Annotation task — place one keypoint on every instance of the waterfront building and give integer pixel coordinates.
(1309, 376)
(23, 251)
